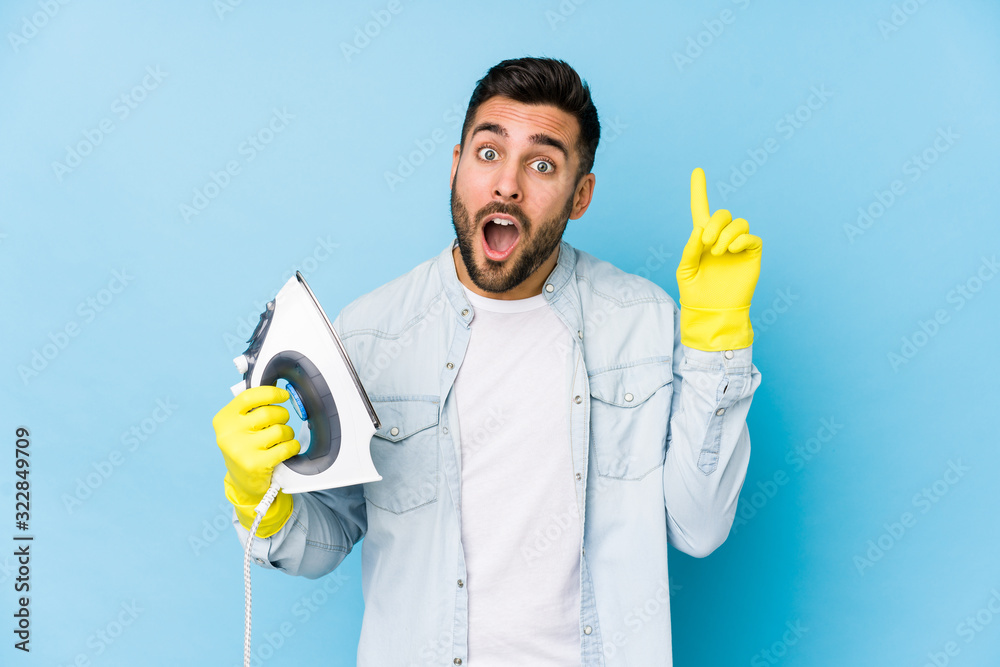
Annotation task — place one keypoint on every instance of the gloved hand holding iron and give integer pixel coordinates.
(294, 342)
(254, 438)
(716, 277)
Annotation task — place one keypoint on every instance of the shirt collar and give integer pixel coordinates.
(552, 288)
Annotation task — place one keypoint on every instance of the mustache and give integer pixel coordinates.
(494, 208)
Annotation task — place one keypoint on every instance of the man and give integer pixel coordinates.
(549, 422)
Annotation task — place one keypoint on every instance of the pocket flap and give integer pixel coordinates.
(402, 417)
(630, 386)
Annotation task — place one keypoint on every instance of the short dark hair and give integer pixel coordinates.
(542, 81)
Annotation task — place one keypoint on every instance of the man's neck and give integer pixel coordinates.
(530, 287)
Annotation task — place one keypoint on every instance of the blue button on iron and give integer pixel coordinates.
(300, 409)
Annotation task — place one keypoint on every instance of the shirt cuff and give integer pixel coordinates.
(735, 361)
(260, 552)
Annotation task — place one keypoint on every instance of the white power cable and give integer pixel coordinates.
(260, 510)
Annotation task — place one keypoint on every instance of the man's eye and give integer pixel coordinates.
(487, 153)
(544, 166)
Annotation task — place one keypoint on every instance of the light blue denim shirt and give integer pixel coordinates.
(659, 443)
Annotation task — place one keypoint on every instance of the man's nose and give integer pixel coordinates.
(507, 186)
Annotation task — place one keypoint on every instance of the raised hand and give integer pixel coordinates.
(717, 276)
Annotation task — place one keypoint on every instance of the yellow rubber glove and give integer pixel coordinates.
(717, 276)
(254, 438)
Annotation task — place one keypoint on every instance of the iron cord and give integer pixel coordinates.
(260, 510)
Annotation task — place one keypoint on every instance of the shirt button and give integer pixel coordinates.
(720, 411)
(465, 311)
(577, 399)
(580, 334)
(729, 354)
(444, 429)
(628, 398)
(457, 661)
(587, 630)
(549, 287)
(578, 476)
(449, 365)
(259, 561)
(461, 583)
(393, 431)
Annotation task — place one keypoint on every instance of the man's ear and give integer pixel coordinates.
(583, 195)
(454, 163)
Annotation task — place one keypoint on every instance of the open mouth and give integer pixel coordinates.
(500, 236)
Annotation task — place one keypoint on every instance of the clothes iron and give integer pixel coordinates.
(295, 342)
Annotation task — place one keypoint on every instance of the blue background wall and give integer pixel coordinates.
(847, 438)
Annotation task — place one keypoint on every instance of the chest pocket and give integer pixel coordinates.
(629, 415)
(405, 452)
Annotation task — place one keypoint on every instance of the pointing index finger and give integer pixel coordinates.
(699, 199)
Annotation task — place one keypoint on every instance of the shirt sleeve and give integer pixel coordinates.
(323, 528)
(708, 443)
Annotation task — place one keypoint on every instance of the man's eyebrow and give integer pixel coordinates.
(539, 138)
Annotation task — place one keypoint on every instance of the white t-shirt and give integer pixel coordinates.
(520, 516)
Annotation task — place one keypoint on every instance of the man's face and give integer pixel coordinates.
(513, 190)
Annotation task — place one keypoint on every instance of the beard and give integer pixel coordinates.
(535, 245)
